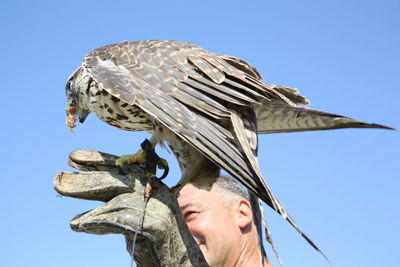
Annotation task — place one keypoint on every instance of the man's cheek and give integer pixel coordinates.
(194, 228)
(204, 222)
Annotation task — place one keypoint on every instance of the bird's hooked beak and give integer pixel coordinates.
(82, 114)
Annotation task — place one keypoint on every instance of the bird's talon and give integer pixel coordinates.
(163, 165)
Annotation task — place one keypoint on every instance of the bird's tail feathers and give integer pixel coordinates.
(280, 117)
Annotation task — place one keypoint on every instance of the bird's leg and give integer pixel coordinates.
(153, 161)
(139, 156)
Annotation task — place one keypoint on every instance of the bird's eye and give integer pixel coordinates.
(69, 84)
(69, 89)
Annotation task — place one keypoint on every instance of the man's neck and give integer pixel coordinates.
(250, 255)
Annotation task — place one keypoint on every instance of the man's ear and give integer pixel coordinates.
(245, 214)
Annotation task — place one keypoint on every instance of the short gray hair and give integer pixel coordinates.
(232, 187)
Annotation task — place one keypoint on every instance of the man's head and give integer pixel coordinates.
(220, 220)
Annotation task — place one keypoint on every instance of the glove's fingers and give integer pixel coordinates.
(120, 215)
(160, 242)
(91, 160)
(99, 185)
(123, 215)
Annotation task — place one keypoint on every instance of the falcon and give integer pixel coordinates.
(207, 107)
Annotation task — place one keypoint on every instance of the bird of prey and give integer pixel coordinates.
(208, 107)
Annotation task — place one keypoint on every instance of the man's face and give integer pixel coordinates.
(212, 222)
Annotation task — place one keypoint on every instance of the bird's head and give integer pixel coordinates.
(76, 86)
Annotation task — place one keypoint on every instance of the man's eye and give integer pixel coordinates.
(189, 215)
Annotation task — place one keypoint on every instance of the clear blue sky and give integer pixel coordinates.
(340, 186)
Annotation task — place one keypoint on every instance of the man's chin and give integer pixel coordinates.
(203, 248)
(199, 242)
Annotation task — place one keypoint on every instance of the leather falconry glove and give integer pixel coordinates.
(162, 237)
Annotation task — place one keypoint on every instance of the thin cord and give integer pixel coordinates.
(136, 232)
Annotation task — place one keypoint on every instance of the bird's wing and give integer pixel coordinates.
(174, 83)
(187, 89)
(190, 91)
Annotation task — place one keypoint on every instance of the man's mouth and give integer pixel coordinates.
(199, 240)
